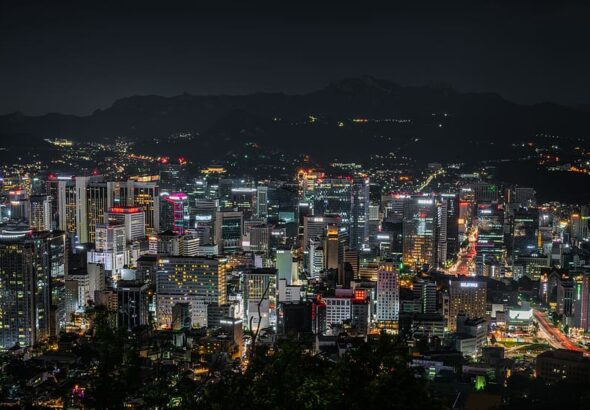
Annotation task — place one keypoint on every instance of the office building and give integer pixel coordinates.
(387, 292)
(132, 218)
(229, 229)
(132, 304)
(467, 297)
(490, 240)
(146, 196)
(174, 214)
(29, 261)
(40, 213)
(424, 232)
(197, 281)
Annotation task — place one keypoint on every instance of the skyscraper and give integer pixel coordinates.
(132, 218)
(94, 197)
(28, 261)
(229, 228)
(40, 213)
(174, 214)
(260, 298)
(452, 227)
(525, 231)
(334, 196)
(359, 224)
(387, 293)
(424, 232)
(146, 195)
(490, 240)
(66, 206)
(132, 306)
(19, 203)
(466, 297)
(261, 201)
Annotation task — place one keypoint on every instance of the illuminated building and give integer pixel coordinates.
(368, 266)
(203, 214)
(288, 293)
(314, 228)
(484, 192)
(581, 302)
(334, 197)
(260, 286)
(83, 285)
(338, 309)
(188, 245)
(466, 297)
(316, 256)
(425, 292)
(213, 170)
(388, 293)
(490, 240)
(229, 231)
(465, 211)
(110, 248)
(359, 223)
(579, 228)
(350, 260)
(52, 190)
(66, 205)
(181, 316)
(132, 218)
(146, 195)
(452, 225)
(94, 197)
(170, 175)
(424, 232)
(471, 334)
(259, 238)
(284, 265)
(200, 282)
(40, 213)
(360, 311)
(525, 232)
(132, 304)
(331, 245)
(234, 329)
(28, 263)
(521, 197)
(307, 180)
(19, 204)
(174, 212)
(261, 201)
(243, 199)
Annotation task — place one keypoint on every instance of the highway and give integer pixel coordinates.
(554, 336)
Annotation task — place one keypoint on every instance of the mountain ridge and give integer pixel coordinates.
(438, 114)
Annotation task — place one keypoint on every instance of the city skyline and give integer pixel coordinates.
(286, 205)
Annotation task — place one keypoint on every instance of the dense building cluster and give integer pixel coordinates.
(217, 265)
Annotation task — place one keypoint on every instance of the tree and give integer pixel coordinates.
(375, 375)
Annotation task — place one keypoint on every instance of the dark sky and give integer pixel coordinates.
(76, 56)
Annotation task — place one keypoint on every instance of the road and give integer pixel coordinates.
(465, 259)
(430, 178)
(554, 336)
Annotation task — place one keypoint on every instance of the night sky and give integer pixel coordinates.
(73, 57)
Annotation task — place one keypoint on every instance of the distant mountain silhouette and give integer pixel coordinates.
(282, 121)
